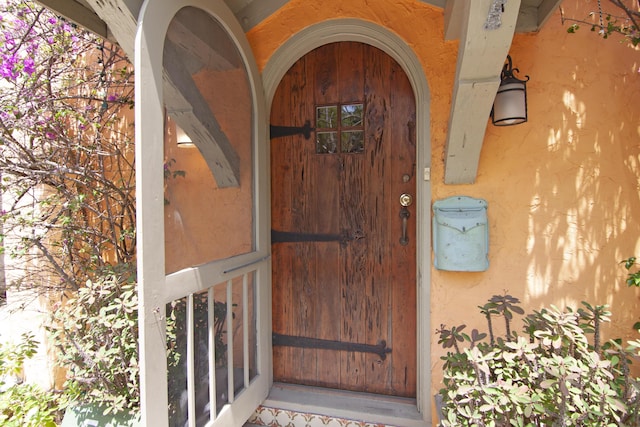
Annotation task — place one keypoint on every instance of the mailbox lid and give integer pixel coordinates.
(459, 203)
(463, 221)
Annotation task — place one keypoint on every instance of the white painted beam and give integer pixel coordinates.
(121, 16)
(472, 101)
(482, 52)
(78, 14)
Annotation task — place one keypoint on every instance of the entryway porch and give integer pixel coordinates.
(292, 406)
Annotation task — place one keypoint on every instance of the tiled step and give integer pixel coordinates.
(274, 417)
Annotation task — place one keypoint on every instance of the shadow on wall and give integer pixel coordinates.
(581, 212)
(562, 189)
(574, 172)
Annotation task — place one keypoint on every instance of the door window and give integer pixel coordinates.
(340, 128)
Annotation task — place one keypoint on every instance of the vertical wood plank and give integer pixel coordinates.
(403, 267)
(285, 183)
(351, 72)
(325, 76)
(379, 212)
(281, 260)
(353, 274)
(354, 222)
(303, 303)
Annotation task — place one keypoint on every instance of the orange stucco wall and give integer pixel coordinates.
(562, 189)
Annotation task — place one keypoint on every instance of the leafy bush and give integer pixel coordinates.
(550, 376)
(67, 163)
(68, 181)
(633, 278)
(24, 405)
(96, 332)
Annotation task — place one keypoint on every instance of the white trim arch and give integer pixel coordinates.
(369, 33)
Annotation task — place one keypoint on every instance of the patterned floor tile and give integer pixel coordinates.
(274, 417)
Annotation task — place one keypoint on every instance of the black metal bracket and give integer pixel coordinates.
(280, 131)
(379, 349)
(297, 237)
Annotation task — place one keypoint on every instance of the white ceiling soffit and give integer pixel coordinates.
(116, 19)
(485, 29)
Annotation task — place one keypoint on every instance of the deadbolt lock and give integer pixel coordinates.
(406, 200)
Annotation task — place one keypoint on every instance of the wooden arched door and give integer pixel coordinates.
(344, 249)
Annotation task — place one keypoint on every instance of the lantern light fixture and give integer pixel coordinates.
(510, 104)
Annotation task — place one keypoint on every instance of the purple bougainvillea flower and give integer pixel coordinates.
(5, 71)
(9, 40)
(8, 67)
(29, 66)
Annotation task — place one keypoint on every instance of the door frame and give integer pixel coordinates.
(369, 33)
(155, 288)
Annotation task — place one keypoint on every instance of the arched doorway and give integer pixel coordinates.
(343, 245)
(371, 34)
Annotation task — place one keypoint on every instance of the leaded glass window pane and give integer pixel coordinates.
(327, 117)
(326, 142)
(352, 141)
(351, 115)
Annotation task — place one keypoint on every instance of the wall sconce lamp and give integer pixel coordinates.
(182, 139)
(510, 105)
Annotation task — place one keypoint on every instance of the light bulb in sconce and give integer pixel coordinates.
(182, 139)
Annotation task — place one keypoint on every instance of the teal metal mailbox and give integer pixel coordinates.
(460, 234)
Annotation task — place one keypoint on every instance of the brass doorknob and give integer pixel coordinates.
(406, 200)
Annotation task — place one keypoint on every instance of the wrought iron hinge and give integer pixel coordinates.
(280, 131)
(379, 349)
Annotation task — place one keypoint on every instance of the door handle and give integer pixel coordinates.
(405, 201)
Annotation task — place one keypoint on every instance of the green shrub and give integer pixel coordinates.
(24, 405)
(96, 332)
(549, 376)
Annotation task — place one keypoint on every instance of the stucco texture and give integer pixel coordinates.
(562, 189)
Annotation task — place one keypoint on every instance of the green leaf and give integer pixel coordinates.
(547, 384)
